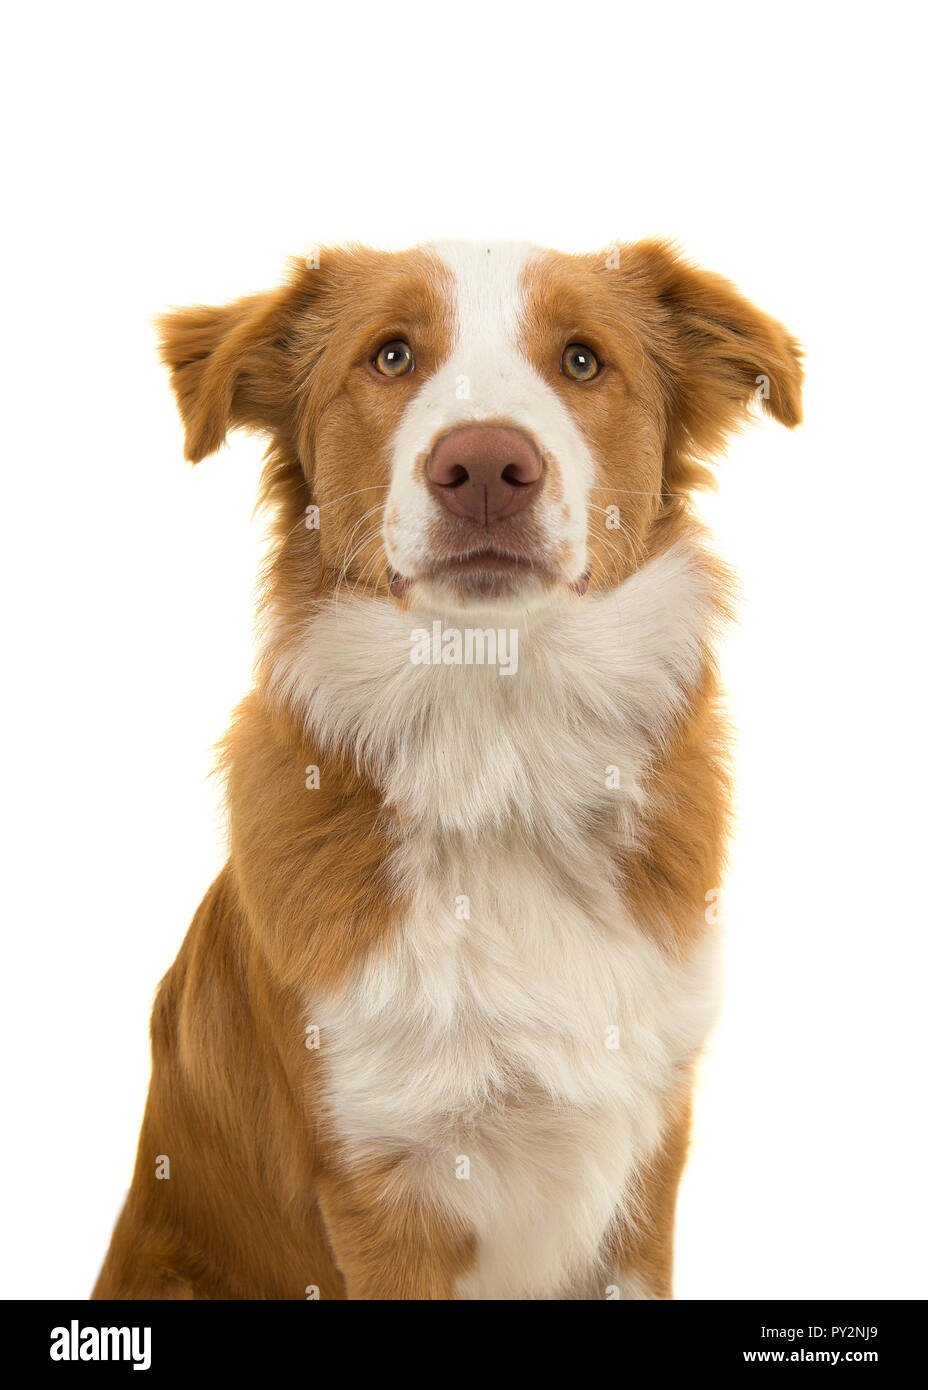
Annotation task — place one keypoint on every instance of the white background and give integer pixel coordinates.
(175, 153)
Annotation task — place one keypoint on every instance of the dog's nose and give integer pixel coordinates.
(484, 472)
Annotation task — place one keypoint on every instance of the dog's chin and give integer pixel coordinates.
(484, 593)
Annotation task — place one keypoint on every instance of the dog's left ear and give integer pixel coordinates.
(717, 354)
(228, 367)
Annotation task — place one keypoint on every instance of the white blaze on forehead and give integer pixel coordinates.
(488, 377)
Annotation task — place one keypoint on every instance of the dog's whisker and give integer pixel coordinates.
(365, 540)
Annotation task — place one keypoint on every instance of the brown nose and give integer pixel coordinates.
(484, 472)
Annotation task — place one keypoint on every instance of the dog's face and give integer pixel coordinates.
(470, 423)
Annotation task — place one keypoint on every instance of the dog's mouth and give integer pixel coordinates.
(490, 571)
(488, 560)
(484, 570)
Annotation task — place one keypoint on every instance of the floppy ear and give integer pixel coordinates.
(228, 367)
(717, 355)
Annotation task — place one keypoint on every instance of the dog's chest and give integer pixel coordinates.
(513, 1043)
(513, 1047)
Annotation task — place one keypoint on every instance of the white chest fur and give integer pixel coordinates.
(518, 1060)
(515, 1044)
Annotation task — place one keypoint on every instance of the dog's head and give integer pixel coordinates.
(472, 423)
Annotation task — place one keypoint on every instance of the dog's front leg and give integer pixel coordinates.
(387, 1244)
(640, 1248)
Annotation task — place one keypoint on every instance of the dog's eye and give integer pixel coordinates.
(394, 358)
(579, 362)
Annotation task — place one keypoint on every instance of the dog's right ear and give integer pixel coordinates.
(228, 367)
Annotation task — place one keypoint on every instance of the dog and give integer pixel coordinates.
(432, 1032)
